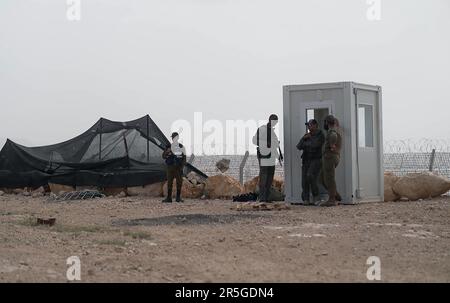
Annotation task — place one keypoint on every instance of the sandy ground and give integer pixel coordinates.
(138, 239)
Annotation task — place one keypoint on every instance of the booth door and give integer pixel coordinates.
(368, 160)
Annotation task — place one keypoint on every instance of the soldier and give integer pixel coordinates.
(267, 151)
(175, 156)
(331, 157)
(311, 144)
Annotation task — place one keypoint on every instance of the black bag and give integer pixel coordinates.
(269, 141)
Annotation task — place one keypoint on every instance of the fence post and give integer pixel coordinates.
(241, 168)
(432, 157)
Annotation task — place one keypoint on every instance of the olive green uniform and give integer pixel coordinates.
(330, 161)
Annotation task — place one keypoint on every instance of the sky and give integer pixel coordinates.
(227, 59)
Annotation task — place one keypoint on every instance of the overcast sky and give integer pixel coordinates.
(228, 59)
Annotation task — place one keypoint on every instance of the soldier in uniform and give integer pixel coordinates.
(331, 157)
(175, 157)
(311, 144)
(268, 152)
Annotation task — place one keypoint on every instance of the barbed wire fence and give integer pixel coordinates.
(400, 157)
(407, 156)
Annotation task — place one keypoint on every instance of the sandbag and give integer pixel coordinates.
(389, 180)
(150, 190)
(222, 187)
(425, 185)
(252, 185)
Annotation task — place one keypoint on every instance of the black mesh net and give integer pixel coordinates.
(109, 154)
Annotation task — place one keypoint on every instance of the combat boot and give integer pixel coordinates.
(178, 199)
(328, 203)
(167, 200)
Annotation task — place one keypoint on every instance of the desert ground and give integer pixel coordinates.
(138, 239)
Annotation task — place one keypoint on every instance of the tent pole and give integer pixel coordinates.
(100, 145)
(148, 134)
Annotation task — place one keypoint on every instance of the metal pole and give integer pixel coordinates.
(432, 157)
(100, 145)
(191, 159)
(148, 135)
(241, 168)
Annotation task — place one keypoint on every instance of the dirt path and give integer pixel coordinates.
(142, 240)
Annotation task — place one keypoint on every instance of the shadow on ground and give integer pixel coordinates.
(187, 219)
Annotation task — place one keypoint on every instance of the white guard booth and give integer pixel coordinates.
(360, 174)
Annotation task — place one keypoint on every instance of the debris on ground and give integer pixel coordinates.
(257, 206)
(47, 221)
(77, 195)
(245, 197)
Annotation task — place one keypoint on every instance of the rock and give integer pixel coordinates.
(188, 190)
(58, 188)
(223, 165)
(252, 186)
(37, 194)
(150, 190)
(254, 206)
(17, 191)
(114, 191)
(2, 193)
(39, 190)
(389, 180)
(416, 186)
(194, 178)
(26, 193)
(122, 194)
(222, 187)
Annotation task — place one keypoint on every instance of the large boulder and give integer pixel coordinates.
(150, 190)
(194, 178)
(59, 188)
(389, 180)
(188, 190)
(425, 185)
(252, 186)
(222, 187)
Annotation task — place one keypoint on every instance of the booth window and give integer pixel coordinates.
(365, 125)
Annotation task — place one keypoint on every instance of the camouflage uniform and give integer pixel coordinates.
(311, 146)
(330, 161)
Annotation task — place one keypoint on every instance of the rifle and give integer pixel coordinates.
(280, 157)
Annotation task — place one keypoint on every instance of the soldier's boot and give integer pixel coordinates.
(167, 200)
(178, 199)
(305, 199)
(328, 203)
(338, 197)
(315, 200)
(169, 197)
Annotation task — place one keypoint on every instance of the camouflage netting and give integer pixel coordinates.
(109, 154)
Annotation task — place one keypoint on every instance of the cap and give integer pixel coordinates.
(312, 121)
(175, 134)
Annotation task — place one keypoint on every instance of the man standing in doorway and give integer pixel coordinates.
(311, 144)
(175, 156)
(331, 157)
(267, 151)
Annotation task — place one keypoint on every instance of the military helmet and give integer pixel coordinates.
(330, 119)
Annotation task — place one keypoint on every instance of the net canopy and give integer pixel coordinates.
(109, 154)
